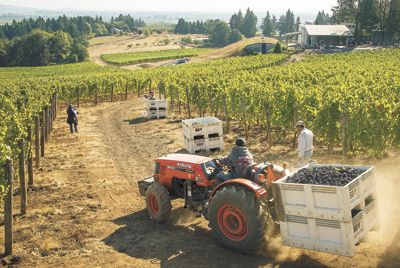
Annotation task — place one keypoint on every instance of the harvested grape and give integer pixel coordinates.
(329, 175)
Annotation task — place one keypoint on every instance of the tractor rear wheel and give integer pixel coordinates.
(158, 202)
(237, 220)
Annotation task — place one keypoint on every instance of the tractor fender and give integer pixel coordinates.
(259, 191)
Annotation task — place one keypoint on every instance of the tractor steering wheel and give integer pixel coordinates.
(217, 169)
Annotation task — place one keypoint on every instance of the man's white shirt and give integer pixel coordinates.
(305, 142)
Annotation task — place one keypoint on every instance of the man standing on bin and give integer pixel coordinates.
(238, 159)
(305, 143)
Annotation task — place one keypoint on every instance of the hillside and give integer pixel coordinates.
(233, 49)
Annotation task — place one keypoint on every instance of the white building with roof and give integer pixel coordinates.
(315, 35)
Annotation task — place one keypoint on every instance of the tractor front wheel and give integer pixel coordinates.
(237, 219)
(158, 202)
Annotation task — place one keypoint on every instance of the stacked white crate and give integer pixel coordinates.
(203, 134)
(331, 219)
(157, 109)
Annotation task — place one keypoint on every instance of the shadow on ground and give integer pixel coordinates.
(171, 245)
(138, 120)
(391, 256)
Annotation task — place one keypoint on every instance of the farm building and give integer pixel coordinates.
(315, 35)
(116, 30)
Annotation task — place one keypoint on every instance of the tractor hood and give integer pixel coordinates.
(186, 158)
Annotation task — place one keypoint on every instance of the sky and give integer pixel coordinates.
(299, 6)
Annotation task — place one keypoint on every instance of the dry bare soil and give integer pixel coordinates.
(127, 44)
(85, 210)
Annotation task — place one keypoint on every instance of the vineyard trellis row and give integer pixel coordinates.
(350, 100)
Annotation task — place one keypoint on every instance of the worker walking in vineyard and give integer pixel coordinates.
(305, 143)
(72, 118)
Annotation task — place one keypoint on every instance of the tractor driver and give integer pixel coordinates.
(238, 159)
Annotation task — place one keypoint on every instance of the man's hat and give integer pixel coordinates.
(240, 142)
(300, 124)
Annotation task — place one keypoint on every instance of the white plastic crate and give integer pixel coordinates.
(323, 235)
(203, 127)
(213, 144)
(328, 235)
(371, 214)
(194, 146)
(156, 114)
(157, 104)
(325, 202)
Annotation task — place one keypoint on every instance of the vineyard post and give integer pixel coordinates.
(179, 101)
(211, 103)
(78, 96)
(295, 119)
(42, 134)
(96, 95)
(172, 104)
(138, 89)
(226, 116)
(159, 91)
(52, 106)
(30, 160)
(150, 85)
(112, 92)
(22, 181)
(46, 124)
(244, 119)
(55, 105)
(8, 208)
(126, 91)
(187, 101)
(164, 91)
(37, 141)
(268, 125)
(345, 144)
(51, 116)
(52, 109)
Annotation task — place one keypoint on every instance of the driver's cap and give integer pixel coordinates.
(240, 142)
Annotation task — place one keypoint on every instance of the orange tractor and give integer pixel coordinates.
(238, 210)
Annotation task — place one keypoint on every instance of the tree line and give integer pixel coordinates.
(381, 16)
(75, 26)
(220, 32)
(287, 23)
(39, 42)
(40, 48)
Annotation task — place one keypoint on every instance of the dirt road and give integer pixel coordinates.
(86, 210)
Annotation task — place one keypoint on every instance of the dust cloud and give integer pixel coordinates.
(387, 176)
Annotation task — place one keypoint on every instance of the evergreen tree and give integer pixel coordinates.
(290, 20)
(237, 20)
(234, 36)
(249, 27)
(267, 26)
(181, 27)
(393, 23)
(369, 15)
(274, 21)
(287, 23)
(298, 22)
(344, 11)
(219, 34)
(322, 18)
